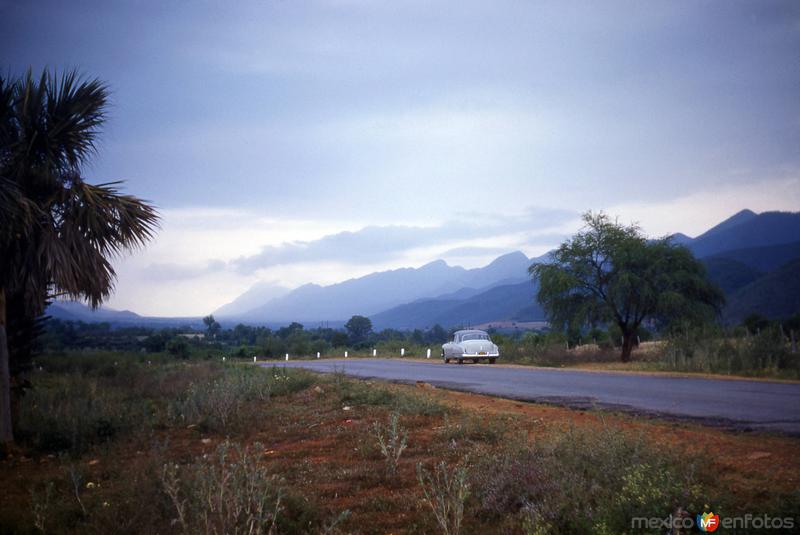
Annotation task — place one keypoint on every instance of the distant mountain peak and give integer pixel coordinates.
(746, 229)
(435, 264)
(680, 238)
(735, 220)
(514, 256)
(744, 213)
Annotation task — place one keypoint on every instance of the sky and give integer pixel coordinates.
(315, 141)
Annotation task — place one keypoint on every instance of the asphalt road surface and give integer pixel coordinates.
(740, 404)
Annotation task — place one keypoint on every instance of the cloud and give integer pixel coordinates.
(698, 211)
(172, 271)
(463, 252)
(382, 243)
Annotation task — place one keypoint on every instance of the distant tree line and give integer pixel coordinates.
(241, 340)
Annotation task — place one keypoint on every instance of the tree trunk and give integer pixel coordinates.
(6, 431)
(628, 341)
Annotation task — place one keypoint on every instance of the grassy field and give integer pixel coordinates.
(143, 444)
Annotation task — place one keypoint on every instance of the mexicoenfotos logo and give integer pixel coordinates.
(708, 522)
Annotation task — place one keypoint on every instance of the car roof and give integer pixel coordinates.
(476, 331)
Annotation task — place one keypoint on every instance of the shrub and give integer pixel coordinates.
(179, 347)
(713, 350)
(220, 403)
(613, 476)
(72, 413)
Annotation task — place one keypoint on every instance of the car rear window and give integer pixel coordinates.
(474, 336)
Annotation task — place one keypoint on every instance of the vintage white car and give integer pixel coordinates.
(471, 345)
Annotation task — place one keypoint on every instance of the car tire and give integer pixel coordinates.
(492, 361)
(447, 361)
(461, 361)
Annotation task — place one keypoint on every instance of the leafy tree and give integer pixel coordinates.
(755, 322)
(179, 347)
(339, 339)
(358, 328)
(610, 273)
(58, 234)
(155, 343)
(212, 326)
(437, 334)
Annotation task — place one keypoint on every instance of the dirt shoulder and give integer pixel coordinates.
(744, 462)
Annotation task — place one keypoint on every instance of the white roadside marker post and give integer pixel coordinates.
(287, 356)
(345, 354)
(317, 354)
(223, 359)
(402, 352)
(374, 352)
(254, 359)
(429, 353)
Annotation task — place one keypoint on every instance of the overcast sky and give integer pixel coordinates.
(294, 142)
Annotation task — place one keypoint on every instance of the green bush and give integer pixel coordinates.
(586, 482)
(714, 350)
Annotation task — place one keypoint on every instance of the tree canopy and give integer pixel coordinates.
(58, 233)
(358, 328)
(212, 326)
(612, 274)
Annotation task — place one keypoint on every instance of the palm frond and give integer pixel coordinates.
(59, 234)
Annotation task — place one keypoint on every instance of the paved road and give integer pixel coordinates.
(756, 405)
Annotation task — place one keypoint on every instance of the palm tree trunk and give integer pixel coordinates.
(6, 430)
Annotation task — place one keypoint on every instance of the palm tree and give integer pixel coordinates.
(58, 234)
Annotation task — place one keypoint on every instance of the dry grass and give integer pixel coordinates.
(312, 445)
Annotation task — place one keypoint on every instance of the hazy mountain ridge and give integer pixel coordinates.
(75, 311)
(775, 295)
(380, 291)
(507, 301)
(763, 259)
(739, 272)
(257, 295)
(746, 255)
(745, 230)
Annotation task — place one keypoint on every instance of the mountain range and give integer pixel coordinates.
(376, 292)
(754, 258)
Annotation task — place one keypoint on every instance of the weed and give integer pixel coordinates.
(41, 505)
(220, 404)
(445, 491)
(392, 440)
(330, 529)
(230, 493)
(474, 428)
(355, 392)
(71, 413)
(612, 475)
